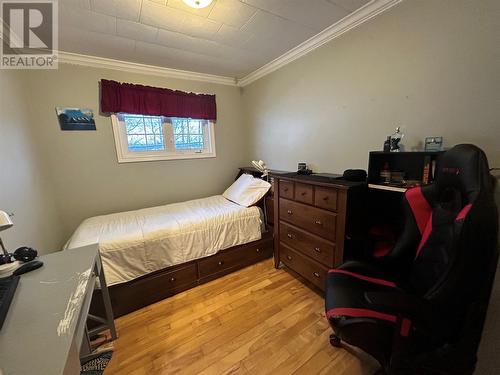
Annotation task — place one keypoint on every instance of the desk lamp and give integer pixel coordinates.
(5, 223)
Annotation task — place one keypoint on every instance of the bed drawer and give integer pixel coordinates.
(286, 189)
(180, 276)
(312, 219)
(313, 246)
(304, 266)
(228, 260)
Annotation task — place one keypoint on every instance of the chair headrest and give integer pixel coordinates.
(464, 168)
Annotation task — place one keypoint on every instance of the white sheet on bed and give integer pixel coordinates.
(136, 243)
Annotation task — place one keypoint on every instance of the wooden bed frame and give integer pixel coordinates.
(154, 287)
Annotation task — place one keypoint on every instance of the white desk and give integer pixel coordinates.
(46, 323)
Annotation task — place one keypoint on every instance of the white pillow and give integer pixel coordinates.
(247, 190)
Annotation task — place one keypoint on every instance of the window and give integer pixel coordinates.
(147, 138)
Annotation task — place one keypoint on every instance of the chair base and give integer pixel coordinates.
(335, 341)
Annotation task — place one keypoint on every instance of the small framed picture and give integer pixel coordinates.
(434, 144)
(75, 118)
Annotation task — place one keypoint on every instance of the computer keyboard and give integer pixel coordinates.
(8, 287)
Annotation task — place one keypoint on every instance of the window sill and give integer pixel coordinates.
(140, 159)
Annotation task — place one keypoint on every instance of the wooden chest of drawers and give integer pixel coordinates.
(314, 222)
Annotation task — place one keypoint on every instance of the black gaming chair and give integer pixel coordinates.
(421, 308)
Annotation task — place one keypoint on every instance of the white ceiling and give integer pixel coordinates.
(230, 38)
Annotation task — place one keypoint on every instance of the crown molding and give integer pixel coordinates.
(104, 63)
(347, 23)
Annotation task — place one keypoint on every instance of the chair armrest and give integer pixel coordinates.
(402, 304)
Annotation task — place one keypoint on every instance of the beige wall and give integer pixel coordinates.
(86, 176)
(25, 188)
(430, 66)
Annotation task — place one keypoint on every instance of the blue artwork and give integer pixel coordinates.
(75, 118)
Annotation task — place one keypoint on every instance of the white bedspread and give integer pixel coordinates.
(136, 243)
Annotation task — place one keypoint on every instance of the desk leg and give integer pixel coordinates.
(107, 301)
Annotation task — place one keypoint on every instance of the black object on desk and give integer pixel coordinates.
(27, 267)
(8, 287)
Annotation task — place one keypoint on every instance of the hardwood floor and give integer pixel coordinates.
(258, 320)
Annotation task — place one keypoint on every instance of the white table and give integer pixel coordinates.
(46, 323)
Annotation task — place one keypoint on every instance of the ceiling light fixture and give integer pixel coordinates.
(198, 4)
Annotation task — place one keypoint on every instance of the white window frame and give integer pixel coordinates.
(126, 156)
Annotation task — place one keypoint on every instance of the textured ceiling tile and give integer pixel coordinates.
(94, 44)
(232, 36)
(232, 12)
(195, 45)
(154, 14)
(128, 9)
(181, 5)
(84, 4)
(176, 40)
(349, 4)
(200, 27)
(85, 20)
(136, 31)
(266, 25)
(184, 60)
(316, 14)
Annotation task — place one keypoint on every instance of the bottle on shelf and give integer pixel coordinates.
(387, 144)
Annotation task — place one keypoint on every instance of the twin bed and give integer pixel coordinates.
(152, 253)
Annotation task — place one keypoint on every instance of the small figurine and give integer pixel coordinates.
(396, 139)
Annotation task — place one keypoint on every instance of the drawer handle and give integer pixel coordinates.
(289, 235)
(220, 263)
(303, 193)
(317, 249)
(316, 274)
(257, 250)
(289, 212)
(289, 257)
(325, 198)
(318, 222)
(172, 279)
(285, 189)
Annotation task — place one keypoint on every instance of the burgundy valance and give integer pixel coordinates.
(146, 100)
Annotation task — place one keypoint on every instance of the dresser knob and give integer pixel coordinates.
(318, 222)
(289, 212)
(317, 249)
(220, 263)
(289, 235)
(257, 250)
(325, 198)
(289, 257)
(172, 279)
(303, 193)
(285, 189)
(316, 274)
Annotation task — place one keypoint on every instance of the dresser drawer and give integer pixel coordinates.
(313, 246)
(304, 193)
(286, 189)
(304, 266)
(234, 258)
(312, 219)
(325, 198)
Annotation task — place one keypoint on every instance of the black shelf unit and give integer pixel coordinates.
(410, 162)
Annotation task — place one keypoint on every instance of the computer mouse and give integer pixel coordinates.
(27, 267)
